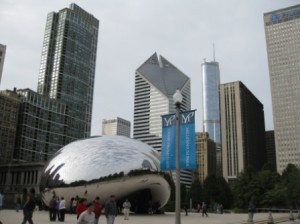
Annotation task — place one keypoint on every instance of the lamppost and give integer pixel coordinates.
(177, 98)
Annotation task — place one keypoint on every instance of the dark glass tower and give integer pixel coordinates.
(67, 69)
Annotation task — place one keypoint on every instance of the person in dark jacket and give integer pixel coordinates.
(52, 211)
(28, 208)
(251, 211)
(111, 210)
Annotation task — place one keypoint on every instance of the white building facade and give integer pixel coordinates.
(155, 83)
(116, 126)
(283, 48)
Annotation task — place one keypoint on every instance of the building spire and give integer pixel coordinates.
(214, 57)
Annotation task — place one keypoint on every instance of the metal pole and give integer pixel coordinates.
(177, 207)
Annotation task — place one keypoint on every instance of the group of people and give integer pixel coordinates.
(57, 208)
(202, 207)
(218, 208)
(88, 212)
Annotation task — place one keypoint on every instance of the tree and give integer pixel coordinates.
(195, 192)
(216, 190)
(291, 180)
(246, 188)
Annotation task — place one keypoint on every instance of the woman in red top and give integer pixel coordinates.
(81, 206)
(97, 209)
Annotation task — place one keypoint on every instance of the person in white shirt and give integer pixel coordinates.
(62, 209)
(126, 209)
(88, 216)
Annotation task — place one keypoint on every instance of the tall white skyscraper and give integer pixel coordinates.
(155, 83)
(2, 57)
(211, 110)
(116, 126)
(283, 47)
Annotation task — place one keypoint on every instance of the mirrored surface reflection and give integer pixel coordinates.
(101, 166)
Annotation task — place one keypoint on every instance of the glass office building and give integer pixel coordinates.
(210, 99)
(283, 48)
(68, 63)
(41, 127)
(211, 110)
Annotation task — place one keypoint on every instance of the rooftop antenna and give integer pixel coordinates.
(214, 57)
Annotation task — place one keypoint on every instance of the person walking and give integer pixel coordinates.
(251, 211)
(52, 212)
(18, 204)
(97, 209)
(1, 200)
(28, 208)
(126, 208)
(186, 209)
(111, 210)
(81, 206)
(88, 216)
(204, 209)
(62, 209)
(74, 205)
(57, 203)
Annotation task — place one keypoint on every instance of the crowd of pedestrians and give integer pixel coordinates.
(86, 212)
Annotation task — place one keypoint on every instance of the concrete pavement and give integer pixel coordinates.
(42, 217)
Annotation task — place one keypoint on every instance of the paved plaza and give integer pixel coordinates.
(42, 217)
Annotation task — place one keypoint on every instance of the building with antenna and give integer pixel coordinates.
(211, 112)
(2, 57)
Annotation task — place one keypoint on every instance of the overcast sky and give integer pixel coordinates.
(132, 30)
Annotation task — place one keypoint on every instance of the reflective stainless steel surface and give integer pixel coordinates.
(101, 166)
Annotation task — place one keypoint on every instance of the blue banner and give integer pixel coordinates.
(187, 145)
(167, 156)
(187, 140)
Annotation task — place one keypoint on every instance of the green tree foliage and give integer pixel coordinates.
(195, 193)
(216, 190)
(267, 188)
(245, 189)
(290, 180)
(183, 194)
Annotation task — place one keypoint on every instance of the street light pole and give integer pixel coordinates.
(177, 97)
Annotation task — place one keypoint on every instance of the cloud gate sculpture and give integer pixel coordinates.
(101, 166)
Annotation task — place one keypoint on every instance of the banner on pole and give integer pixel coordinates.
(168, 154)
(187, 140)
(187, 145)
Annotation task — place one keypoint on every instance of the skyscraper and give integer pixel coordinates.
(271, 149)
(68, 63)
(205, 155)
(116, 126)
(9, 107)
(211, 111)
(155, 83)
(2, 57)
(243, 130)
(41, 125)
(283, 48)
